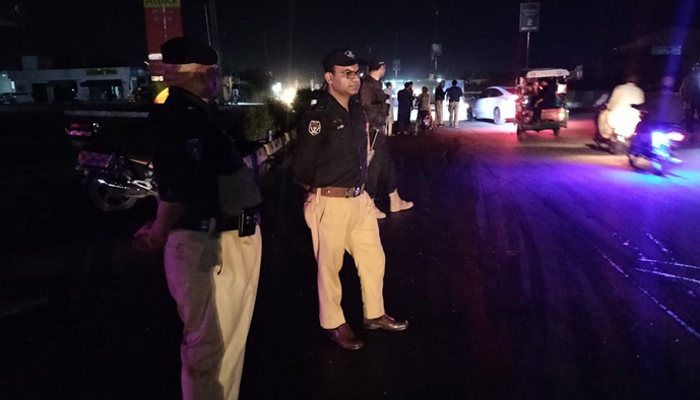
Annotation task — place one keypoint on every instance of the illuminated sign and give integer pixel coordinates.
(161, 3)
(163, 22)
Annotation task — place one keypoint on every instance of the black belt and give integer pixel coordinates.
(221, 224)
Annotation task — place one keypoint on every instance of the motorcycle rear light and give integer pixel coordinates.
(79, 133)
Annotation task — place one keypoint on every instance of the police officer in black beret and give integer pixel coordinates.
(207, 222)
(331, 163)
(382, 165)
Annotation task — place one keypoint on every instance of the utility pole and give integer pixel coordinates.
(437, 24)
(214, 21)
(436, 48)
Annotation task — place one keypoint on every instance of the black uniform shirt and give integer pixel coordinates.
(196, 163)
(332, 148)
(439, 94)
(454, 94)
(373, 101)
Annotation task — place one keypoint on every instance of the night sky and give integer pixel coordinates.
(476, 36)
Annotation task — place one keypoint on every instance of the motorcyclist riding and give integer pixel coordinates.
(620, 117)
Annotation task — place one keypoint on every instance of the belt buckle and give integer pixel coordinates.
(357, 191)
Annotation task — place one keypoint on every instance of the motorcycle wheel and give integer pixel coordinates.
(109, 199)
(520, 133)
(660, 167)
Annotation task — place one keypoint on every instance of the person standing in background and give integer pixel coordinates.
(454, 94)
(439, 99)
(390, 100)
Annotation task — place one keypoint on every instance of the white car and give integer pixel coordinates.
(496, 103)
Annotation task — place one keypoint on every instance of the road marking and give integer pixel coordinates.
(675, 264)
(678, 319)
(668, 275)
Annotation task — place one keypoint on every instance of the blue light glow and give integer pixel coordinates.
(659, 139)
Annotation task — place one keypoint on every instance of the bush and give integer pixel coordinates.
(282, 114)
(257, 122)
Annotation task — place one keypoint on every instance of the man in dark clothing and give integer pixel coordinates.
(207, 223)
(454, 94)
(547, 98)
(381, 164)
(439, 101)
(405, 100)
(331, 164)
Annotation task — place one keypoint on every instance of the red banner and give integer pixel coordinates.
(163, 22)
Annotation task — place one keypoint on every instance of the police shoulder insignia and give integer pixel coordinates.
(314, 127)
(195, 149)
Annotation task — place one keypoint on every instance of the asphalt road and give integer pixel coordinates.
(536, 270)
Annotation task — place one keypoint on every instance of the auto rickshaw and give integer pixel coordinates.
(542, 104)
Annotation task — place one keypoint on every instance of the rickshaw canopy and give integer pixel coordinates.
(547, 73)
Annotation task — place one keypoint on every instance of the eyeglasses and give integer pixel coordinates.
(350, 74)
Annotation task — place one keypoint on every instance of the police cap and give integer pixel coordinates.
(184, 50)
(342, 59)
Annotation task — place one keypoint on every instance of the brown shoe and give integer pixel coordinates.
(387, 323)
(344, 337)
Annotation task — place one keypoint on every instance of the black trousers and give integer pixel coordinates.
(382, 178)
(690, 111)
(403, 122)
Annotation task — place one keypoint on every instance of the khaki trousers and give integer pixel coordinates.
(438, 112)
(390, 122)
(339, 225)
(453, 107)
(214, 280)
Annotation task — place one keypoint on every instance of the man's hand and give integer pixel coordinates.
(149, 239)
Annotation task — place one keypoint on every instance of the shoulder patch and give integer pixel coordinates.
(314, 127)
(195, 149)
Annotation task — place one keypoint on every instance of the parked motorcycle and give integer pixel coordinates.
(114, 181)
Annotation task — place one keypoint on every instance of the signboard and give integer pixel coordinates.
(163, 22)
(529, 17)
(436, 50)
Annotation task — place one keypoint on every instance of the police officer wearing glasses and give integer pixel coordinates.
(207, 224)
(331, 163)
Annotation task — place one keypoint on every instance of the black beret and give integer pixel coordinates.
(183, 50)
(340, 58)
(376, 63)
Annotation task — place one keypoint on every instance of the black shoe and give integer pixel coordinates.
(387, 323)
(344, 337)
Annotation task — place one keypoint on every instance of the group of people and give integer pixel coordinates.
(406, 100)
(207, 220)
